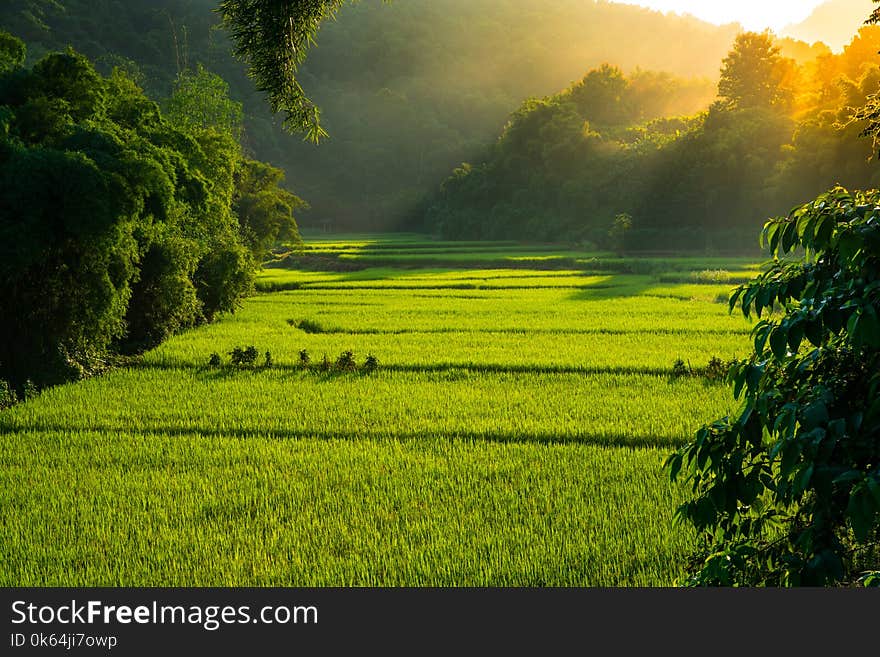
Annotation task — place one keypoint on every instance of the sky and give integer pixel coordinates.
(751, 14)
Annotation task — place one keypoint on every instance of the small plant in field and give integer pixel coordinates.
(214, 361)
(7, 395)
(30, 390)
(711, 276)
(346, 362)
(371, 364)
(680, 369)
(241, 357)
(717, 369)
(304, 358)
(268, 362)
(325, 364)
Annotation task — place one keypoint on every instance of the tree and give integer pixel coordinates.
(201, 102)
(272, 37)
(753, 74)
(787, 491)
(12, 52)
(264, 208)
(621, 225)
(117, 227)
(603, 96)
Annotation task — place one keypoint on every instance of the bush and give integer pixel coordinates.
(371, 364)
(346, 362)
(214, 361)
(786, 491)
(717, 369)
(7, 395)
(242, 357)
(680, 369)
(304, 358)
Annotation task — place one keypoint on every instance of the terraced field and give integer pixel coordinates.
(512, 434)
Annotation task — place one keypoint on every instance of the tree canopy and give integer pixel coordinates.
(565, 166)
(120, 224)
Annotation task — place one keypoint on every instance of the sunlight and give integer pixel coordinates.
(752, 14)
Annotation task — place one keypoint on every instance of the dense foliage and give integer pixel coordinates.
(566, 166)
(119, 225)
(787, 491)
(407, 90)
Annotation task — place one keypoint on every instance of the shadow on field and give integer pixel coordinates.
(615, 286)
(8, 427)
(227, 372)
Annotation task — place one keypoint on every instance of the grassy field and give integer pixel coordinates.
(512, 434)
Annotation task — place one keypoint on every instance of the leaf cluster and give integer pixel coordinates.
(121, 224)
(787, 490)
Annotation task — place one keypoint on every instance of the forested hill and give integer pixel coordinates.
(408, 90)
(590, 165)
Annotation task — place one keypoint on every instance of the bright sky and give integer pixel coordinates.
(751, 14)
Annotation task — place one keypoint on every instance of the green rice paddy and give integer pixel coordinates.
(513, 434)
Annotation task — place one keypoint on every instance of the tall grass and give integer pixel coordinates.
(512, 434)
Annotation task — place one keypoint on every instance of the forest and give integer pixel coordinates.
(607, 163)
(407, 90)
(121, 224)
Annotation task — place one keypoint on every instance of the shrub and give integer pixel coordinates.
(346, 362)
(680, 369)
(786, 491)
(304, 358)
(214, 361)
(7, 395)
(717, 369)
(268, 362)
(711, 276)
(371, 364)
(30, 390)
(241, 357)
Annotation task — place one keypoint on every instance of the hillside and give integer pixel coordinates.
(597, 162)
(408, 90)
(834, 22)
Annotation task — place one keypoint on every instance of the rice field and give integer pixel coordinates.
(512, 434)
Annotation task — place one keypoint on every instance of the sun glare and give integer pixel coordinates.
(752, 14)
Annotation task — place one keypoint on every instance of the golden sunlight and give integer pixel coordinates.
(751, 14)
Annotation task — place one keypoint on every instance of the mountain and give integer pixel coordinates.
(408, 89)
(834, 22)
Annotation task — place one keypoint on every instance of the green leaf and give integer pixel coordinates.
(869, 328)
(762, 333)
(824, 231)
(674, 464)
(734, 297)
(874, 490)
(814, 415)
(739, 381)
(789, 237)
(860, 512)
(848, 477)
(779, 343)
(813, 332)
(791, 452)
(795, 336)
(802, 478)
